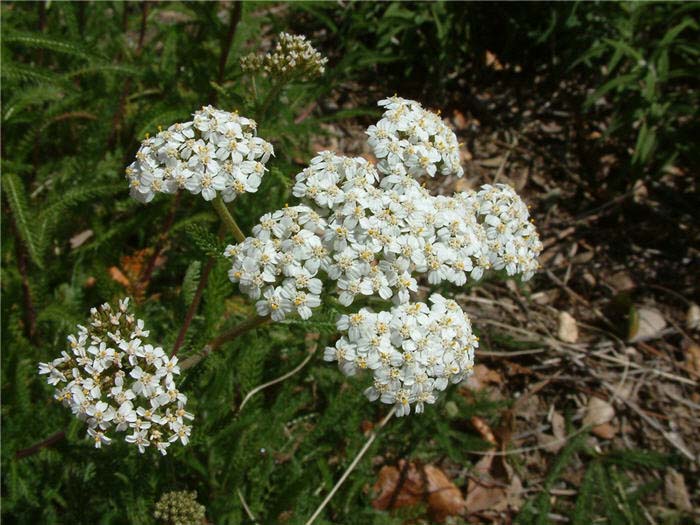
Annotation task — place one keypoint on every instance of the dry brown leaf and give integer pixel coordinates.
(598, 412)
(492, 61)
(483, 428)
(494, 487)
(567, 331)
(545, 296)
(398, 487)
(409, 484)
(693, 357)
(558, 425)
(604, 431)
(483, 376)
(444, 498)
(79, 239)
(692, 318)
(621, 281)
(459, 120)
(676, 490)
(117, 275)
(648, 325)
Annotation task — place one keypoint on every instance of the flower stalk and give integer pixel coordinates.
(227, 219)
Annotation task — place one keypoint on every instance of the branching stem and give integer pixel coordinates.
(252, 322)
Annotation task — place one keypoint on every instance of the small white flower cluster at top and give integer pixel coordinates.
(413, 350)
(215, 153)
(113, 380)
(410, 139)
(293, 57)
(373, 230)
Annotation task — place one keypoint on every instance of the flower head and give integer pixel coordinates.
(292, 57)
(216, 153)
(413, 351)
(115, 381)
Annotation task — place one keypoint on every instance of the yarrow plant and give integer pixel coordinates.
(372, 231)
(114, 380)
(362, 234)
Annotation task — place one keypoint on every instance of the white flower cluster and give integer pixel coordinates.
(409, 139)
(292, 57)
(413, 350)
(373, 230)
(287, 251)
(216, 152)
(376, 240)
(113, 380)
(512, 238)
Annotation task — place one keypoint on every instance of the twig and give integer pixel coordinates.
(51, 440)
(653, 423)
(652, 371)
(236, 12)
(250, 323)
(579, 298)
(489, 353)
(527, 449)
(259, 388)
(245, 506)
(148, 271)
(204, 278)
(352, 466)
(116, 120)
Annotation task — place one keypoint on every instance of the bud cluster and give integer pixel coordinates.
(112, 379)
(215, 153)
(293, 57)
(179, 508)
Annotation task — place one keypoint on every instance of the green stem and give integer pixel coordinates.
(254, 86)
(227, 218)
(274, 92)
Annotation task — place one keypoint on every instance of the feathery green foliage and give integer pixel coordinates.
(82, 84)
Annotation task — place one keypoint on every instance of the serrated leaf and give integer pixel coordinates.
(206, 241)
(42, 41)
(17, 199)
(191, 281)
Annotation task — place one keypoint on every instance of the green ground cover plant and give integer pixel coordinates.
(84, 86)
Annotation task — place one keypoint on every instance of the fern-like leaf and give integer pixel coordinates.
(17, 199)
(191, 281)
(41, 41)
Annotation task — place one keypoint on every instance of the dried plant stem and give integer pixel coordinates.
(227, 218)
(352, 466)
(51, 440)
(227, 40)
(259, 388)
(160, 244)
(250, 514)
